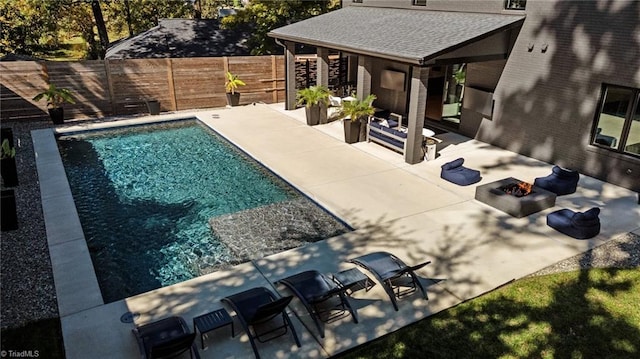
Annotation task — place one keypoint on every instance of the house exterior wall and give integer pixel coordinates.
(545, 101)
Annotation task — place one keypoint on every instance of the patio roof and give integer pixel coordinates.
(411, 36)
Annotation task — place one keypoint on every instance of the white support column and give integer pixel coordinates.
(365, 64)
(417, 106)
(290, 76)
(322, 76)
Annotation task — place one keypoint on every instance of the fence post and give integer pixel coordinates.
(274, 76)
(172, 88)
(112, 101)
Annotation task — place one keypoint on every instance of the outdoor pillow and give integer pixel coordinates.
(453, 164)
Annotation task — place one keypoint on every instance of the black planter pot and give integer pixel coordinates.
(351, 131)
(363, 130)
(154, 107)
(57, 115)
(9, 220)
(313, 115)
(9, 172)
(233, 99)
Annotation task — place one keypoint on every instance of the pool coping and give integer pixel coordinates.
(76, 284)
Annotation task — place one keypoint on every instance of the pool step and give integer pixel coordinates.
(262, 231)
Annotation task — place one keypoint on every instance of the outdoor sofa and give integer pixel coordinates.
(387, 132)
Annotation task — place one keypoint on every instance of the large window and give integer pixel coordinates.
(617, 125)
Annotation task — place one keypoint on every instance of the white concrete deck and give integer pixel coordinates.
(407, 210)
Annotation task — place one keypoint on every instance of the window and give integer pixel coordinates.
(617, 125)
(515, 4)
(359, 1)
(419, 2)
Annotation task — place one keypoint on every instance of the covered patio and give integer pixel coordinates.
(412, 47)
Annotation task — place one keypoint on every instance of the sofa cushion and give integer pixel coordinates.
(564, 173)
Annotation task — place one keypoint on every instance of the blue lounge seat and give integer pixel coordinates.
(561, 181)
(579, 225)
(455, 172)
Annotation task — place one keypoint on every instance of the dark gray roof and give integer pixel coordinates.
(411, 36)
(181, 38)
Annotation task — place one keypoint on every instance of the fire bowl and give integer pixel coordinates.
(493, 195)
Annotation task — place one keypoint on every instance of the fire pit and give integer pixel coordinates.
(515, 197)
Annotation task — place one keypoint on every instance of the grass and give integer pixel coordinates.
(583, 314)
(41, 339)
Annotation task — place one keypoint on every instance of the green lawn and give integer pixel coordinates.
(586, 314)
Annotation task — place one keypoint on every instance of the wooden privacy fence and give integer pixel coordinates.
(114, 87)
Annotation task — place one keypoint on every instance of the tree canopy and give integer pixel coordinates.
(31, 27)
(262, 16)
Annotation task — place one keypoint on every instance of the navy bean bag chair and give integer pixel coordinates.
(561, 181)
(455, 172)
(579, 225)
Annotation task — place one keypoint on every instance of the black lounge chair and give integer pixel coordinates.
(324, 299)
(397, 278)
(258, 310)
(166, 338)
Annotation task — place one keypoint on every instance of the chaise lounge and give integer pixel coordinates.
(397, 278)
(322, 298)
(258, 311)
(166, 338)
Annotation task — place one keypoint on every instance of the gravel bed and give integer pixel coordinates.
(27, 290)
(26, 279)
(620, 252)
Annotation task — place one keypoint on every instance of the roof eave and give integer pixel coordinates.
(410, 60)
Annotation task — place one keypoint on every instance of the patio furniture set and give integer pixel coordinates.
(263, 313)
(507, 196)
(386, 129)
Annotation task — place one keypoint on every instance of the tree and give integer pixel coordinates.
(262, 16)
(27, 25)
(102, 28)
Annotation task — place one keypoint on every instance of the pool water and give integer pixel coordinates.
(145, 196)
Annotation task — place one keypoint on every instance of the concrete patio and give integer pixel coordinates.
(404, 209)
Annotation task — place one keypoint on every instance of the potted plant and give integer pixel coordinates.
(231, 85)
(316, 100)
(355, 114)
(8, 164)
(55, 97)
(153, 106)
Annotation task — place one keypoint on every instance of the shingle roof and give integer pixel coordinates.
(181, 38)
(401, 34)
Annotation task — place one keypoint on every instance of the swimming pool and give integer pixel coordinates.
(160, 204)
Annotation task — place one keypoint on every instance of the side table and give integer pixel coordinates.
(210, 321)
(353, 279)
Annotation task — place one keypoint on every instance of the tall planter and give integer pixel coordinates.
(233, 99)
(8, 214)
(313, 114)
(9, 172)
(351, 131)
(57, 115)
